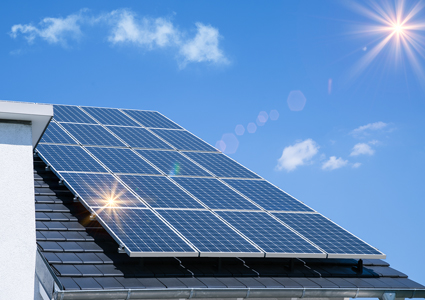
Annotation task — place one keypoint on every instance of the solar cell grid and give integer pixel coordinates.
(268, 233)
(214, 194)
(101, 190)
(151, 119)
(142, 231)
(207, 232)
(159, 192)
(183, 140)
(92, 135)
(221, 165)
(55, 134)
(139, 137)
(173, 163)
(110, 116)
(120, 160)
(327, 235)
(267, 196)
(69, 158)
(67, 113)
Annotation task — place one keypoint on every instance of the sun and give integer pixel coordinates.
(396, 29)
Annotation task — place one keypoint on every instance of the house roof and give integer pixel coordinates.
(85, 259)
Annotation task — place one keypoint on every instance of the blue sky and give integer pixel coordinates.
(296, 91)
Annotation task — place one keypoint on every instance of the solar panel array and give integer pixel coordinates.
(161, 191)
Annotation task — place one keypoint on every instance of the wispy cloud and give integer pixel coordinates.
(369, 127)
(356, 165)
(51, 30)
(334, 163)
(297, 155)
(128, 28)
(362, 148)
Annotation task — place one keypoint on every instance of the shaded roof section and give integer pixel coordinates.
(83, 256)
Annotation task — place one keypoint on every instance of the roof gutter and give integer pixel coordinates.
(197, 293)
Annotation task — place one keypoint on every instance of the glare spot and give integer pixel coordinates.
(296, 101)
(364, 48)
(274, 115)
(330, 86)
(252, 128)
(239, 130)
(220, 145)
(231, 143)
(262, 118)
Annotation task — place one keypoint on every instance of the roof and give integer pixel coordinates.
(84, 258)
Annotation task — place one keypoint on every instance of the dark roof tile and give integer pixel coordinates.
(88, 283)
(108, 283)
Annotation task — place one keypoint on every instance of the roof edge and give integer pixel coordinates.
(194, 293)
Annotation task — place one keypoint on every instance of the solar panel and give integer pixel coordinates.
(221, 165)
(109, 116)
(139, 137)
(183, 140)
(120, 160)
(67, 113)
(92, 135)
(269, 234)
(55, 134)
(208, 233)
(173, 163)
(151, 119)
(143, 233)
(69, 158)
(101, 190)
(160, 192)
(326, 234)
(267, 195)
(158, 201)
(214, 194)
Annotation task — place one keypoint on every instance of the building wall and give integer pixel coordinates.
(17, 219)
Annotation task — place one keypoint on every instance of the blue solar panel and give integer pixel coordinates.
(160, 192)
(66, 113)
(110, 116)
(142, 231)
(221, 165)
(207, 232)
(55, 134)
(183, 140)
(151, 119)
(266, 232)
(120, 160)
(92, 135)
(214, 194)
(139, 137)
(69, 158)
(173, 163)
(326, 234)
(101, 190)
(267, 195)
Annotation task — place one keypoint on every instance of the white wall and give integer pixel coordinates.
(17, 212)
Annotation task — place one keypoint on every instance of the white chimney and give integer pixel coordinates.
(21, 127)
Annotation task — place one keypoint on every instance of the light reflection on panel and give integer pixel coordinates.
(101, 190)
(109, 116)
(139, 137)
(92, 135)
(151, 119)
(183, 140)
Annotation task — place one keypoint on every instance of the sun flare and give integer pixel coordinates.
(396, 30)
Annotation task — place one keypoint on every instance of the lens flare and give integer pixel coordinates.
(397, 31)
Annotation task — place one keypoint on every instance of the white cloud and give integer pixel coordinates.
(127, 28)
(334, 163)
(368, 127)
(297, 155)
(356, 165)
(362, 148)
(203, 47)
(52, 30)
